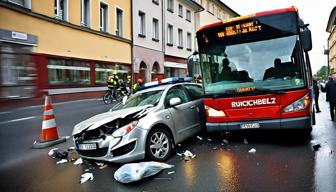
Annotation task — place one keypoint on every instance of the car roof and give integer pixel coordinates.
(164, 86)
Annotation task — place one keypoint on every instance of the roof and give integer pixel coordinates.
(229, 8)
(332, 20)
(194, 5)
(258, 14)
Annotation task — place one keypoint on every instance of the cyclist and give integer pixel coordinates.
(113, 82)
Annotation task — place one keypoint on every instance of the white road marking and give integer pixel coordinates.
(16, 120)
(5, 112)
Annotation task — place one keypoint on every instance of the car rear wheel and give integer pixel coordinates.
(159, 144)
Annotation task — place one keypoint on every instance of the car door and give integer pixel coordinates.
(182, 114)
(195, 93)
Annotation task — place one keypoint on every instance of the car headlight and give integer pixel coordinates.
(300, 104)
(124, 130)
(211, 112)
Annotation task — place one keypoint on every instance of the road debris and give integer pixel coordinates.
(85, 177)
(225, 141)
(253, 150)
(316, 147)
(52, 152)
(132, 172)
(61, 161)
(200, 138)
(179, 145)
(245, 141)
(209, 140)
(171, 172)
(78, 161)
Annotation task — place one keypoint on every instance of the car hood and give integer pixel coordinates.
(103, 118)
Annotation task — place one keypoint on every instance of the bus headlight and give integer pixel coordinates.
(300, 104)
(211, 112)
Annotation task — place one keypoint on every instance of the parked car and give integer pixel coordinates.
(148, 124)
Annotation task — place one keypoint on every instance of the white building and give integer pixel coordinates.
(180, 29)
(164, 34)
(148, 57)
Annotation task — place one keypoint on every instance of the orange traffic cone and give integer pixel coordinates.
(49, 134)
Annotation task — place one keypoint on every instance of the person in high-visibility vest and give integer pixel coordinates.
(138, 85)
(113, 82)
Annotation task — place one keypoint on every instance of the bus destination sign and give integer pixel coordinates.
(240, 28)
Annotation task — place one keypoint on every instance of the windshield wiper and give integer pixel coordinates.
(234, 92)
(269, 91)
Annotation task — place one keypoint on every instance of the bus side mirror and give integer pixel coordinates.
(306, 39)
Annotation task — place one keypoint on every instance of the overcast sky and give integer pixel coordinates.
(314, 12)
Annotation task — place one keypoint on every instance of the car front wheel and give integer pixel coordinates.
(159, 144)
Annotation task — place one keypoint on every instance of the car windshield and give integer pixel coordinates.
(273, 65)
(141, 99)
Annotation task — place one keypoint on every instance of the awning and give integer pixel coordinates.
(175, 65)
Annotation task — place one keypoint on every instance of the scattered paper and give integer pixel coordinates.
(209, 140)
(71, 148)
(225, 141)
(189, 154)
(245, 141)
(253, 150)
(52, 151)
(67, 137)
(200, 138)
(179, 145)
(61, 161)
(78, 162)
(171, 172)
(85, 177)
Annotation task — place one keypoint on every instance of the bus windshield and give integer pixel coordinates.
(273, 65)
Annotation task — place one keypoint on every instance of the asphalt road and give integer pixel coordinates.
(282, 161)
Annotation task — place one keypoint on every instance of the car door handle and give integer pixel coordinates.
(192, 107)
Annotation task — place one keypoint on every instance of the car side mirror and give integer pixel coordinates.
(174, 101)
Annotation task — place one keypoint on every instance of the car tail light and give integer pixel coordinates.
(211, 112)
(299, 104)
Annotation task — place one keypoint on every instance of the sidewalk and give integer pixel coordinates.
(10, 104)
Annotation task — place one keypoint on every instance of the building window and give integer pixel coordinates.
(68, 72)
(119, 22)
(180, 10)
(61, 9)
(155, 2)
(188, 15)
(22, 3)
(103, 17)
(142, 24)
(189, 41)
(85, 13)
(180, 39)
(170, 35)
(103, 70)
(155, 29)
(170, 5)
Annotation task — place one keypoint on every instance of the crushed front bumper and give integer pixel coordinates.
(128, 148)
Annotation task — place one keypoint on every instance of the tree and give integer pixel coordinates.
(322, 73)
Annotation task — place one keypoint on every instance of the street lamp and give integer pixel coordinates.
(326, 52)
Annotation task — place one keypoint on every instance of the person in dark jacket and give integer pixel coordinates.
(316, 91)
(330, 90)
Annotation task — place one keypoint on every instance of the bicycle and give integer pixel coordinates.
(112, 94)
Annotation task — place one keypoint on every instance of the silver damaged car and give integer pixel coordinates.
(148, 124)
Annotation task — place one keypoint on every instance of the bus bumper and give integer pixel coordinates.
(274, 124)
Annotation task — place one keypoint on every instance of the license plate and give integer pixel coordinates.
(87, 146)
(249, 125)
